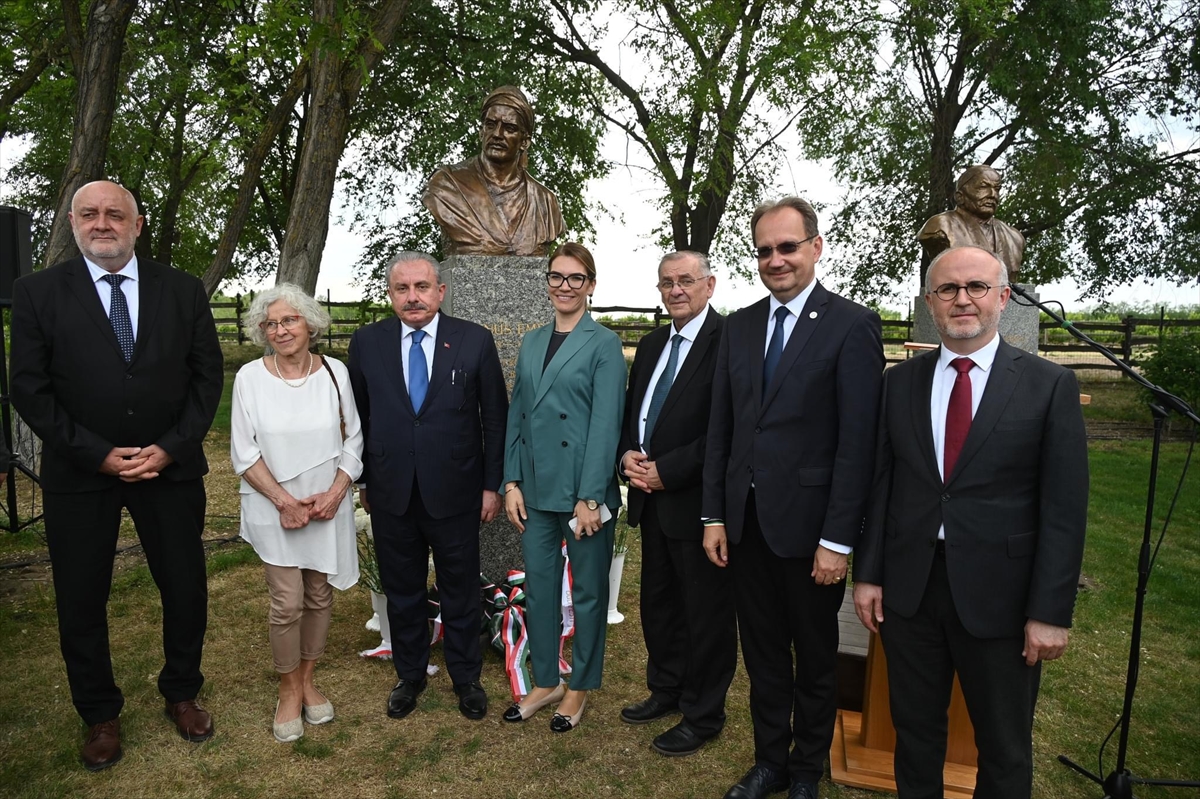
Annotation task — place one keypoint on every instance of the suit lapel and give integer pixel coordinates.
(810, 317)
(656, 342)
(84, 288)
(756, 317)
(149, 299)
(704, 340)
(922, 393)
(445, 348)
(391, 361)
(576, 340)
(1006, 369)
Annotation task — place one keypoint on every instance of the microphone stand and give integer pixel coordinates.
(1118, 784)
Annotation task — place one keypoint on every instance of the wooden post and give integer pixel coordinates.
(237, 315)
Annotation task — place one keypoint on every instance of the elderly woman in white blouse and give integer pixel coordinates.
(296, 442)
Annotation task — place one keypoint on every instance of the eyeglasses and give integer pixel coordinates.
(684, 283)
(976, 290)
(784, 248)
(288, 322)
(575, 281)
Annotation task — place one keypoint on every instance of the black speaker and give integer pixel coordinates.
(16, 247)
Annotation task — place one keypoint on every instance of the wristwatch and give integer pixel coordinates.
(591, 504)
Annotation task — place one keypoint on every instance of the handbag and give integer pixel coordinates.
(337, 388)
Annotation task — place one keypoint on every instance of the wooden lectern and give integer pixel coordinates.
(863, 743)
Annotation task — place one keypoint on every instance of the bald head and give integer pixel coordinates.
(106, 224)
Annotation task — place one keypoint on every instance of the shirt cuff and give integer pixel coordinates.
(841, 549)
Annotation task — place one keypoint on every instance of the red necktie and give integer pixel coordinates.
(958, 416)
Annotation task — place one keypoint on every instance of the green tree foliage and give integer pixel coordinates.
(1175, 365)
(1088, 108)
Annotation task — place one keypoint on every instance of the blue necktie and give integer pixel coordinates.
(662, 388)
(418, 372)
(775, 348)
(118, 315)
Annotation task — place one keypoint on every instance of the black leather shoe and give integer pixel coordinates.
(472, 701)
(803, 790)
(403, 698)
(758, 782)
(679, 741)
(647, 710)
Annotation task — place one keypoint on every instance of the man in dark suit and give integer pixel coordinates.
(117, 368)
(686, 602)
(974, 535)
(433, 405)
(786, 475)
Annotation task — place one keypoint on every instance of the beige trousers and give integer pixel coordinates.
(301, 604)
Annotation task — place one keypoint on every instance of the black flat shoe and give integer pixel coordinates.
(403, 698)
(562, 723)
(758, 782)
(647, 710)
(679, 741)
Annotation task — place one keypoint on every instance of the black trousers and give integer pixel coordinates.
(689, 624)
(81, 531)
(923, 653)
(780, 608)
(402, 545)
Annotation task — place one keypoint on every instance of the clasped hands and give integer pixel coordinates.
(133, 464)
(296, 513)
(641, 471)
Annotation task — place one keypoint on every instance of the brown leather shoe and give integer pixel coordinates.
(193, 722)
(103, 745)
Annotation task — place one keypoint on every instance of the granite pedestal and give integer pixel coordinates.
(1018, 323)
(507, 295)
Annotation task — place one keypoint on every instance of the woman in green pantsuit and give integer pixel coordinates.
(563, 425)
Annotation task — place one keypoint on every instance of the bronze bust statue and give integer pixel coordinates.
(976, 197)
(489, 205)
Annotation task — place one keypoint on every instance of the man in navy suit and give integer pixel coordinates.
(974, 536)
(687, 602)
(788, 466)
(433, 404)
(117, 368)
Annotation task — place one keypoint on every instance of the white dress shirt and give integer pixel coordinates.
(427, 344)
(689, 333)
(794, 306)
(944, 376)
(129, 287)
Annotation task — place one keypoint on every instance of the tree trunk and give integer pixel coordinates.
(335, 87)
(95, 101)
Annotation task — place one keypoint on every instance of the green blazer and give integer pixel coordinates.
(563, 424)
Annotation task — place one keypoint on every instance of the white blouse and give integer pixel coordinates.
(296, 432)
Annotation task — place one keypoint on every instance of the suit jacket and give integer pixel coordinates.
(72, 386)
(677, 441)
(807, 442)
(1015, 507)
(564, 423)
(457, 437)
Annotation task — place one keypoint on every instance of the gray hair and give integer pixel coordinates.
(700, 258)
(408, 256)
(316, 317)
(1003, 281)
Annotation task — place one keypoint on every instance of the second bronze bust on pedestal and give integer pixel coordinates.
(489, 205)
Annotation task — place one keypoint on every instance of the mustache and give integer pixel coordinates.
(415, 306)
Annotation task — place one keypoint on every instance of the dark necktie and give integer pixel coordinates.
(958, 416)
(775, 348)
(118, 316)
(418, 371)
(662, 388)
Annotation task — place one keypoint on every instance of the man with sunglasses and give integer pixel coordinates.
(791, 439)
(973, 542)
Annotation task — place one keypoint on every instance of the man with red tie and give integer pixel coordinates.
(973, 542)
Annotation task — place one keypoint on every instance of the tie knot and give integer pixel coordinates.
(781, 313)
(418, 336)
(113, 280)
(676, 340)
(963, 365)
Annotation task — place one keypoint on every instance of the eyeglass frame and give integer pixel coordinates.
(691, 282)
(784, 248)
(967, 288)
(568, 279)
(270, 325)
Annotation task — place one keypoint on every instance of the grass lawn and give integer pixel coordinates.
(437, 753)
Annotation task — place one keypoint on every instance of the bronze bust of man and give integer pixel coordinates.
(976, 197)
(489, 205)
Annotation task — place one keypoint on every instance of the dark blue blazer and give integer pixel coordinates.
(455, 446)
(808, 442)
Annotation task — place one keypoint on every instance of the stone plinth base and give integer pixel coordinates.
(1018, 323)
(507, 295)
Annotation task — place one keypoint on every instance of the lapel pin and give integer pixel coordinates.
(446, 344)
(812, 314)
